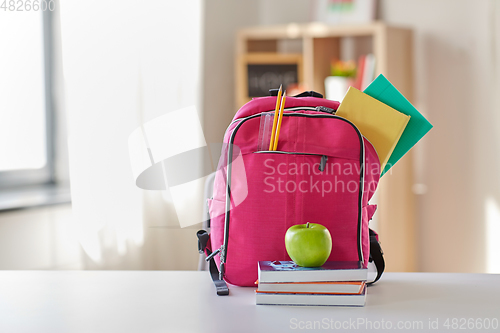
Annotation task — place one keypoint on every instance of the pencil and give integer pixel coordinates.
(276, 111)
(280, 119)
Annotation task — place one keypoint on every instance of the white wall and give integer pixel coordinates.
(456, 58)
(222, 18)
(285, 11)
(39, 238)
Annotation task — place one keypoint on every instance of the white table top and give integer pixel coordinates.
(173, 301)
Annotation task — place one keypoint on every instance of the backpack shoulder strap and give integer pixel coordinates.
(220, 285)
(376, 255)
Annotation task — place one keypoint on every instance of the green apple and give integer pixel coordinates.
(309, 245)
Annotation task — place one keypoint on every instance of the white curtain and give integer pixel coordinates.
(124, 64)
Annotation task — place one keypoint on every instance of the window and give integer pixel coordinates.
(26, 131)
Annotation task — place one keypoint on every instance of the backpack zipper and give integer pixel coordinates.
(223, 248)
(322, 163)
(295, 108)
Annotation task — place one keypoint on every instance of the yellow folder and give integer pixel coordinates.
(378, 122)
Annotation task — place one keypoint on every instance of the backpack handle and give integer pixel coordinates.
(310, 93)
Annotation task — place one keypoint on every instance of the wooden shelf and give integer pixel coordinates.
(321, 43)
(316, 29)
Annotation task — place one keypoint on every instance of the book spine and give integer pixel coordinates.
(359, 74)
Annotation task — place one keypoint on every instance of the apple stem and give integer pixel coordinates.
(307, 225)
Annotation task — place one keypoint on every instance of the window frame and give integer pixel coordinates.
(45, 175)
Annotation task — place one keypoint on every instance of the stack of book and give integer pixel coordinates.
(341, 283)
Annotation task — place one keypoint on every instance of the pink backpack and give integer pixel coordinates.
(323, 171)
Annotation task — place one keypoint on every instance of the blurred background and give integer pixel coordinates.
(77, 78)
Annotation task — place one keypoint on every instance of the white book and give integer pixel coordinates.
(353, 287)
(311, 299)
(336, 87)
(331, 271)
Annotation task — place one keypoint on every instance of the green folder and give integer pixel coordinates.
(382, 90)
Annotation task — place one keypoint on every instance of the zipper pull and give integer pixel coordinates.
(322, 163)
(325, 109)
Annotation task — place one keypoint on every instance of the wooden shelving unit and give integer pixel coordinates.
(320, 43)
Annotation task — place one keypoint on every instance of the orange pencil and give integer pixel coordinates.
(276, 111)
(280, 119)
